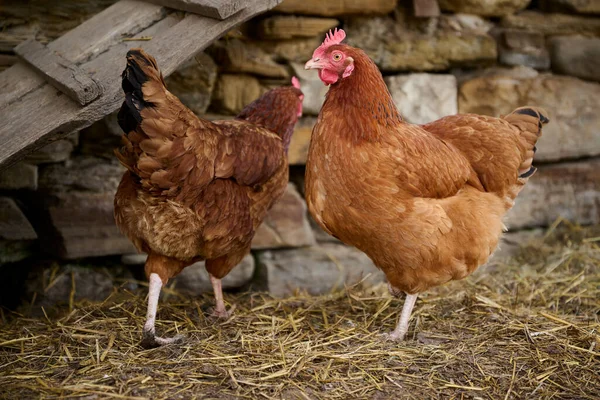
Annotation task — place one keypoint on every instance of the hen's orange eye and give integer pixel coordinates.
(337, 57)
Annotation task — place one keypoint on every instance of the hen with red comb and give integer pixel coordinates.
(424, 202)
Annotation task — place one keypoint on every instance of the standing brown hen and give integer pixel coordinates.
(424, 202)
(194, 189)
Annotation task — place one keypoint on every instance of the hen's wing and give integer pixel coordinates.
(427, 166)
(176, 154)
(500, 150)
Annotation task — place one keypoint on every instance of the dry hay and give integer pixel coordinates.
(527, 329)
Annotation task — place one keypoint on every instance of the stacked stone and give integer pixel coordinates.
(485, 57)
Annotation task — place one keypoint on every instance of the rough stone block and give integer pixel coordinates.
(19, 176)
(297, 50)
(524, 48)
(234, 92)
(53, 286)
(286, 224)
(422, 98)
(13, 223)
(313, 88)
(553, 24)
(577, 56)
(570, 190)
(571, 104)
(578, 6)
(287, 27)
(57, 151)
(487, 8)
(236, 56)
(317, 269)
(193, 83)
(82, 173)
(194, 279)
(411, 45)
(336, 7)
(81, 224)
(298, 150)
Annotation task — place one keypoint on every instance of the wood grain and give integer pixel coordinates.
(60, 73)
(43, 115)
(218, 9)
(88, 40)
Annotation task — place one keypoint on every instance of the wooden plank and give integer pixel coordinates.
(56, 115)
(426, 8)
(60, 73)
(218, 9)
(6, 60)
(93, 37)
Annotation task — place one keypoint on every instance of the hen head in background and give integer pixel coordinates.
(332, 59)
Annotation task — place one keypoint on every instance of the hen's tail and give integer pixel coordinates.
(142, 83)
(151, 117)
(529, 120)
(141, 71)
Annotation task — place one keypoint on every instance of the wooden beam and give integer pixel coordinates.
(60, 73)
(93, 37)
(42, 116)
(6, 60)
(218, 9)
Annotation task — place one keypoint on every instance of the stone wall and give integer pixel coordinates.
(484, 57)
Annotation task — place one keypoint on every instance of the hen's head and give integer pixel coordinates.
(277, 110)
(332, 58)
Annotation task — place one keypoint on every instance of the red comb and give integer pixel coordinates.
(331, 38)
(295, 82)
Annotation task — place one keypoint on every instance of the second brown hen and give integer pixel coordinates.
(195, 189)
(424, 202)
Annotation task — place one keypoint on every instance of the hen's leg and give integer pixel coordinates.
(220, 267)
(158, 270)
(219, 311)
(149, 338)
(402, 326)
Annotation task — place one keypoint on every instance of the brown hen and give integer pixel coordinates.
(194, 189)
(425, 203)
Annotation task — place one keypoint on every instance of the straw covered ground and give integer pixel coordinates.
(526, 329)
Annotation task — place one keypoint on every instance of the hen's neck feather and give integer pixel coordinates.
(363, 102)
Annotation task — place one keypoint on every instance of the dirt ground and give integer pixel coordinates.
(524, 329)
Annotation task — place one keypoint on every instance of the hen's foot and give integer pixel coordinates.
(222, 313)
(393, 336)
(150, 340)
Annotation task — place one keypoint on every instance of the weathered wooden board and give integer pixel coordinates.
(7, 60)
(96, 35)
(60, 73)
(44, 115)
(218, 9)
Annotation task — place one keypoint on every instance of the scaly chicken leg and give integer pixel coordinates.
(150, 339)
(402, 326)
(219, 311)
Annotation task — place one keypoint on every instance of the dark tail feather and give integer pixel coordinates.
(141, 68)
(529, 173)
(533, 112)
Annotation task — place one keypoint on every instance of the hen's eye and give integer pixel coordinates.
(337, 57)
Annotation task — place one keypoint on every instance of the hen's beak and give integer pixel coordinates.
(313, 64)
